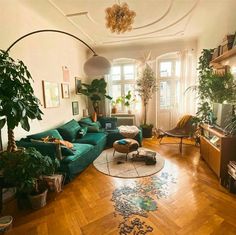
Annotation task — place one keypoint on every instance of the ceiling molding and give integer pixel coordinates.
(161, 29)
(144, 38)
(159, 19)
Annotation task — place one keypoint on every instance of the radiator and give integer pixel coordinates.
(125, 120)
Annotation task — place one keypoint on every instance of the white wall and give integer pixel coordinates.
(44, 54)
(224, 23)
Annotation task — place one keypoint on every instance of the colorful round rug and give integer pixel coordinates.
(117, 166)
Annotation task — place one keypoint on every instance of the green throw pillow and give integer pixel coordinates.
(92, 129)
(69, 130)
(82, 131)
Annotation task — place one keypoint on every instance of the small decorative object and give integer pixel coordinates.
(119, 18)
(51, 94)
(65, 90)
(75, 107)
(66, 74)
(78, 86)
(5, 223)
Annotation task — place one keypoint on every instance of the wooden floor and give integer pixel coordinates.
(197, 204)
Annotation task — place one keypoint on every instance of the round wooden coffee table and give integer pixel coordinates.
(125, 146)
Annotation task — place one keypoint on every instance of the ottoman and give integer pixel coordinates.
(125, 146)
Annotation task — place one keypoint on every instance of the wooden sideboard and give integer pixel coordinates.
(217, 149)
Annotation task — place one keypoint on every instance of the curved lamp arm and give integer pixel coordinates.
(95, 66)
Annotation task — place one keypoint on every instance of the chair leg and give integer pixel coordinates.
(181, 144)
(160, 139)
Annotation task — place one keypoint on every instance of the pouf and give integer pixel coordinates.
(125, 146)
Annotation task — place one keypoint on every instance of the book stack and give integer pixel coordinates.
(232, 169)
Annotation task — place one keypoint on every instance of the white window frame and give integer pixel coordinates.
(122, 82)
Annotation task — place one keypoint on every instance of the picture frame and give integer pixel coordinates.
(234, 43)
(78, 85)
(75, 107)
(51, 93)
(65, 90)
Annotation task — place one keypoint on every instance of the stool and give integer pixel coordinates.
(125, 146)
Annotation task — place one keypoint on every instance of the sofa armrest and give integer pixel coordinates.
(50, 149)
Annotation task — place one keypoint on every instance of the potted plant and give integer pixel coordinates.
(115, 103)
(18, 103)
(146, 86)
(128, 100)
(25, 170)
(213, 87)
(96, 91)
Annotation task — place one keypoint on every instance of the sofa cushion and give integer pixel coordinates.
(79, 150)
(91, 138)
(82, 132)
(69, 130)
(52, 133)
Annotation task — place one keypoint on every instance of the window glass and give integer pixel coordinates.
(165, 69)
(116, 72)
(165, 94)
(128, 72)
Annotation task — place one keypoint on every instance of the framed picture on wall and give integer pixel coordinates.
(78, 85)
(65, 90)
(51, 94)
(75, 107)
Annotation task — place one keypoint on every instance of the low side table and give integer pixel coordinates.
(125, 146)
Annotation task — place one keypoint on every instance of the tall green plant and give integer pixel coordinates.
(146, 86)
(96, 91)
(18, 103)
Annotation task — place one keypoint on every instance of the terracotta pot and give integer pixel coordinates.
(114, 110)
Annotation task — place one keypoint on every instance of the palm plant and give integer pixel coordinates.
(18, 103)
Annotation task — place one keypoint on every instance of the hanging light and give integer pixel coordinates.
(119, 18)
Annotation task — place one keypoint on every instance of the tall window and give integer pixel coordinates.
(169, 75)
(123, 77)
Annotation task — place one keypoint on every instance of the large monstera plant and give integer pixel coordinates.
(18, 103)
(96, 92)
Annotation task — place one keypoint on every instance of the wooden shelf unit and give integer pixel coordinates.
(217, 149)
(225, 55)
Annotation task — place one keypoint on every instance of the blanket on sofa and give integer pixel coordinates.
(128, 131)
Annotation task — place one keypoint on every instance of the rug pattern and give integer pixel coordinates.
(117, 166)
(133, 202)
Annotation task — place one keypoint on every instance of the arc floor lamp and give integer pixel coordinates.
(93, 67)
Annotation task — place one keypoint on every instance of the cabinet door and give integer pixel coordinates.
(214, 160)
(204, 149)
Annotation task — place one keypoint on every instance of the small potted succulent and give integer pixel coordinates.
(24, 169)
(128, 100)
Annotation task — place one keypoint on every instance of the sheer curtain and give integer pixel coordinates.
(175, 73)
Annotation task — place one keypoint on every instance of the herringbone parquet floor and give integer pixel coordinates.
(196, 204)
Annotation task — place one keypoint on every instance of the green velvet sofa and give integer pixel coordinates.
(89, 139)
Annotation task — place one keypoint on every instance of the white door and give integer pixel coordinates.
(168, 96)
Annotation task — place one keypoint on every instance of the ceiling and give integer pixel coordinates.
(155, 21)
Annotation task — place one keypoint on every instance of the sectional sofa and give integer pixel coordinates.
(88, 138)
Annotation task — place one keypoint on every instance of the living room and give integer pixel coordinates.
(184, 195)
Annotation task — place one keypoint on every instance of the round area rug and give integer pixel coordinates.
(117, 165)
